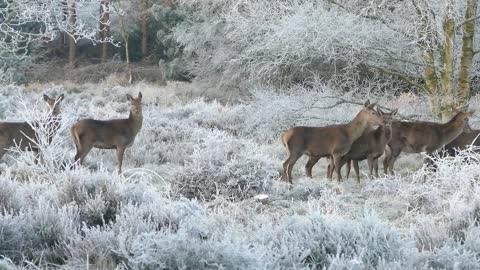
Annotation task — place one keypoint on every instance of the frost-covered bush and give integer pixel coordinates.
(283, 41)
(188, 197)
(222, 165)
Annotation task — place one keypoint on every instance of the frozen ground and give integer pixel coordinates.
(187, 198)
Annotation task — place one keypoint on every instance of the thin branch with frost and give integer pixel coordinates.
(23, 22)
(51, 145)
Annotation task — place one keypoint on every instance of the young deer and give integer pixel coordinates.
(111, 134)
(318, 142)
(22, 133)
(417, 137)
(370, 146)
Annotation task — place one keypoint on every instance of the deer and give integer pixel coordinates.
(317, 142)
(462, 142)
(423, 136)
(116, 134)
(23, 135)
(370, 146)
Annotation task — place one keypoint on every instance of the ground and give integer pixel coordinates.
(187, 198)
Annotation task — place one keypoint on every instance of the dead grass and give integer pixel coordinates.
(111, 71)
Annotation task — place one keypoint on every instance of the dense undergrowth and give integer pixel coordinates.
(187, 197)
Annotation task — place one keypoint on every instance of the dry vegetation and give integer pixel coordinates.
(187, 199)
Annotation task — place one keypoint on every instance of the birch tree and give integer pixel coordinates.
(430, 45)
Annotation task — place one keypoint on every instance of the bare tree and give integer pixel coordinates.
(104, 28)
(51, 17)
(430, 45)
(72, 43)
(145, 20)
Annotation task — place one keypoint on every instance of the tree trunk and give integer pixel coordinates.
(447, 55)
(467, 55)
(429, 72)
(145, 22)
(104, 29)
(63, 37)
(72, 45)
(125, 37)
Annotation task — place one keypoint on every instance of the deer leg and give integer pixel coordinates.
(330, 168)
(349, 166)
(370, 163)
(392, 159)
(375, 167)
(293, 159)
(82, 152)
(120, 152)
(337, 161)
(357, 170)
(310, 163)
(285, 169)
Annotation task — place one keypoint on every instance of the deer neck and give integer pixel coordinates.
(357, 126)
(136, 121)
(385, 133)
(451, 130)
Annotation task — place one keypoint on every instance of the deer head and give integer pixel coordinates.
(53, 104)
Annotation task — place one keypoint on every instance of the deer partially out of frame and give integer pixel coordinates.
(462, 142)
(23, 135)
(334, 141)
(370, 146)
(420, 136)
(110, 134)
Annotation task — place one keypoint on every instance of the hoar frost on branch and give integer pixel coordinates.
(427, 44)
(25, 21)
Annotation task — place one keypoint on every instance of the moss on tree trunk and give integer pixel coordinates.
(467, 55)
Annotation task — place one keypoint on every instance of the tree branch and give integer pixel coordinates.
(401, 76)
(341, 101)
(458, 26)
(375, 18)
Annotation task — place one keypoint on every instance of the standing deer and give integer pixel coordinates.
(370, 146)
(334, 141)
(417, 137)
(110, 134)
(23, 135)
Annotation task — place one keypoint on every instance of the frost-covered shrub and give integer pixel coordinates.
(281, 42)
(223, 165)
(10, 200)
(317, 242)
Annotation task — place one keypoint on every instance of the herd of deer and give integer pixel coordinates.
(116, 134)
(342, 144)
(360, 140)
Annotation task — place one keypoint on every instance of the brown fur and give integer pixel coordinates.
(462, 142)
(370, 146)
(116, 134)
(318, 142)
(416, 137)
(21, 133)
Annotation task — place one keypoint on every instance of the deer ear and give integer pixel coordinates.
(60, 98)
(394, 112)
(45, 97)
(140, 95)
(129, 97)
(455, 110)
(367, 103)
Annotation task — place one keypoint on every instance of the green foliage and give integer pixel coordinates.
(161, 46)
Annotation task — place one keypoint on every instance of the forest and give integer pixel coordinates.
(218, 124)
